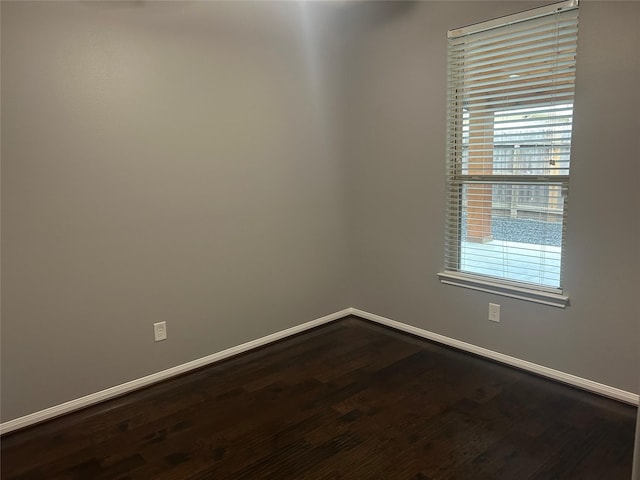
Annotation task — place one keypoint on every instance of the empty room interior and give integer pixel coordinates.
(238, 240)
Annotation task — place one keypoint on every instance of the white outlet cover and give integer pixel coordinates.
(494, 312)
(160, 331)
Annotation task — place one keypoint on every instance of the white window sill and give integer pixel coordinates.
(550, 297)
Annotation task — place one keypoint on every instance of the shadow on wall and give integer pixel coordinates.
(348, 14)
(376, 13)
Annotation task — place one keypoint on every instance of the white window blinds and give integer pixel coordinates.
(510, 109)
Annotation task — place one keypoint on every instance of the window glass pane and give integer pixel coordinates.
(532, 141)
(513, 231)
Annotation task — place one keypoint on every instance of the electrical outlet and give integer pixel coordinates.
(494, 312)
(160, 331)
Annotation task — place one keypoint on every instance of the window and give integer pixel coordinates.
(510, 110)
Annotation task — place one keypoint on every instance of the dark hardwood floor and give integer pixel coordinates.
(350, 400)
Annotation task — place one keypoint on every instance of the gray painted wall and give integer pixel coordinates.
(161, 161)
(396, 151)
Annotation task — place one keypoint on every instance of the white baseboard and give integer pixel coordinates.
(583, 383)
(128, 387)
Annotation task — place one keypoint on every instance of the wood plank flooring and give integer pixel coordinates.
(350, 400)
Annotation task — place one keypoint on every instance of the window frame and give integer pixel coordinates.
(457, 179)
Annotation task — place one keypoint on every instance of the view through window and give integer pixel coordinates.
(526, 218)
